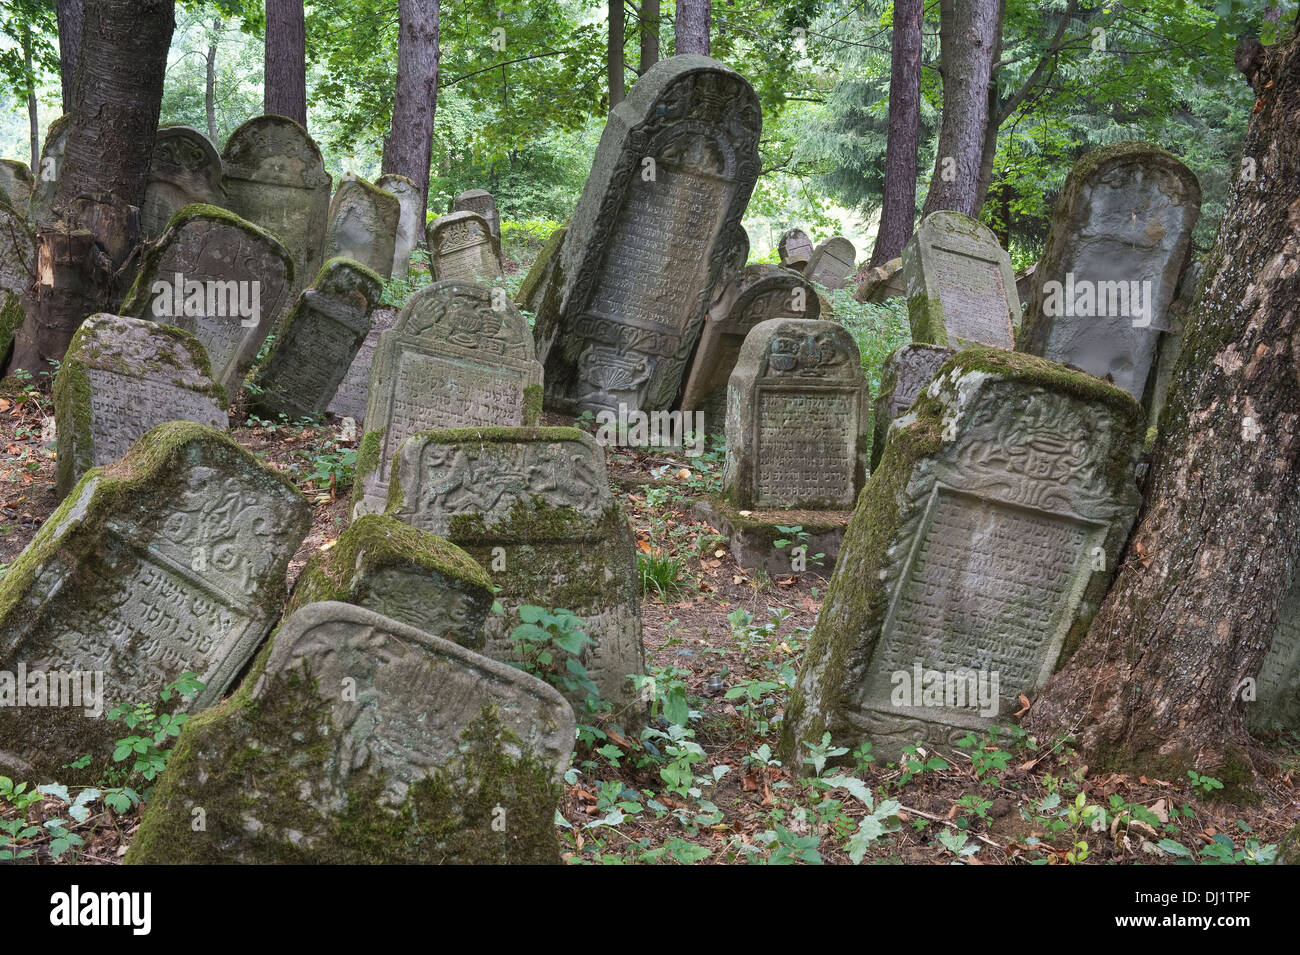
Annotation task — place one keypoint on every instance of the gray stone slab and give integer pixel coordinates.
(832, 262)
(480, 202)
(904, 375)
(350, 397)
(461, 246)
(363, 222)
(185, 168)
(795, 249)
(410, 220)
(17, 183)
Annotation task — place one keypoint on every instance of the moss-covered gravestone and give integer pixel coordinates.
(318, 342)
(1110, 268)
(459, 355)
(220, 278)
(977, 556)
(410, 220)
(17, 273)
(961, 291)
(904, 375)
(539, 278)
(394, 569)
(350, 397)
(461, 246)
(481, 202)
(532, 505)
(832, 262)
(17, 183)
(169, 561)
(358, 739)
(1277, 691)
(795, 249)
(120, 378)
(650, 239)
(362, 226)
(185, 169)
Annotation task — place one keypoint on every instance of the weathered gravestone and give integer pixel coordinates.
(1277, 691)
(17, 273)
(394, 569)
(219, 277)
(47, 176)
(461, 247)
(317, 343)
(797, 432)
(1110, 268)
(881, 282)
(460, 355)
(363, 222)
(185, 169)
(650, 238)
(275, 178)
(170, 561)
(439, 756)
(961, 291)
(977, 556)
(540, 277)
(410, 220)
(760, 292)
(832, 262)
(350, 397)
(795, 249)
(533, 506)
(120, 378)
(904, 375)
(16, 184)
(480, 201)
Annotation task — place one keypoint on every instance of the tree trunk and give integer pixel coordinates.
(649, 36)
(409, 147)
(69, 15)
(898, 208)
(692, 27)
(285, 84)
(33, 113)
(968, 39)
(95, 228)
(210, 90)
(614, 55)
(1154, 684)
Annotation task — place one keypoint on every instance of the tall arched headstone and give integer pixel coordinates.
(185, 169)
(410, 219)
(363, 225)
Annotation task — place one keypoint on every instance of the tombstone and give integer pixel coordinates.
(797, 433)
(540, 276)
(961, 291)
(977, 556)
(533, 507)
(1120, 237)
(650, 239)
(795, 249)
(370, 742)
(362, 226)
(222, 279)
(459, 356)
(17, 273)
(1277, 691)
(761, 292)
(317, 343)
(275, 178)
(170, 561)
(120, 378)
(1025, 284)
(40, 206)
(16, 184)
(904, 375)
(410, 220)
(480, 202)
(350, 397)
(832, 262)
(185, 169)
(880, 283)
(461, 247)
(1171, 345)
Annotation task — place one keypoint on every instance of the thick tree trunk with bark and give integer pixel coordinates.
(93, 229)
(614, 53)
(1154, 685)
(68, 13)
(285, 84)
(969, 32)
(409, 147)
(898, 208)
(649, 36)
(692, 26)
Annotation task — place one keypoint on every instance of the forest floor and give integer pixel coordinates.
(710, 787)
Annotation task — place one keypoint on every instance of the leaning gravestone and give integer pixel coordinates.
(120, 378)
(539, 278)
(460, 355)
(362, 226)
(222, 279)
(533, 506)
(410, 220)
(904, 375)
(832, 262)
(275, 178)
(185, 169)
(439, 756)
(1277, 691)
(350, 397)
(881, 282)
(170, 561)
(317, 343)
(760, 292)
(461, 247)
(961, 291)
(977, 555)
(41, 204)
(16, 183)
(650, 238)
(480, 201)
(795, 249)
(1110, 269)
(17, 273)
(797, 433)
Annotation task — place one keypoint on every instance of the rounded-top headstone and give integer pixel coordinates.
(363, 222)
(795, 249)
(185, 168)
(16, 182)
(461, 246)
(410, 220)
(832, 262)
(482, 202)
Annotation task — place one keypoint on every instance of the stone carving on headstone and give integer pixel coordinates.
(16, 184)
(795, 249)
(349, 399)
(650, 239)
(185, 169)
(976, 557)
(461, 247)
(832, 262)
(17, 274)
(47, 176)
(480, 202)
(363, 222)
(410, 220)
(904, 375)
